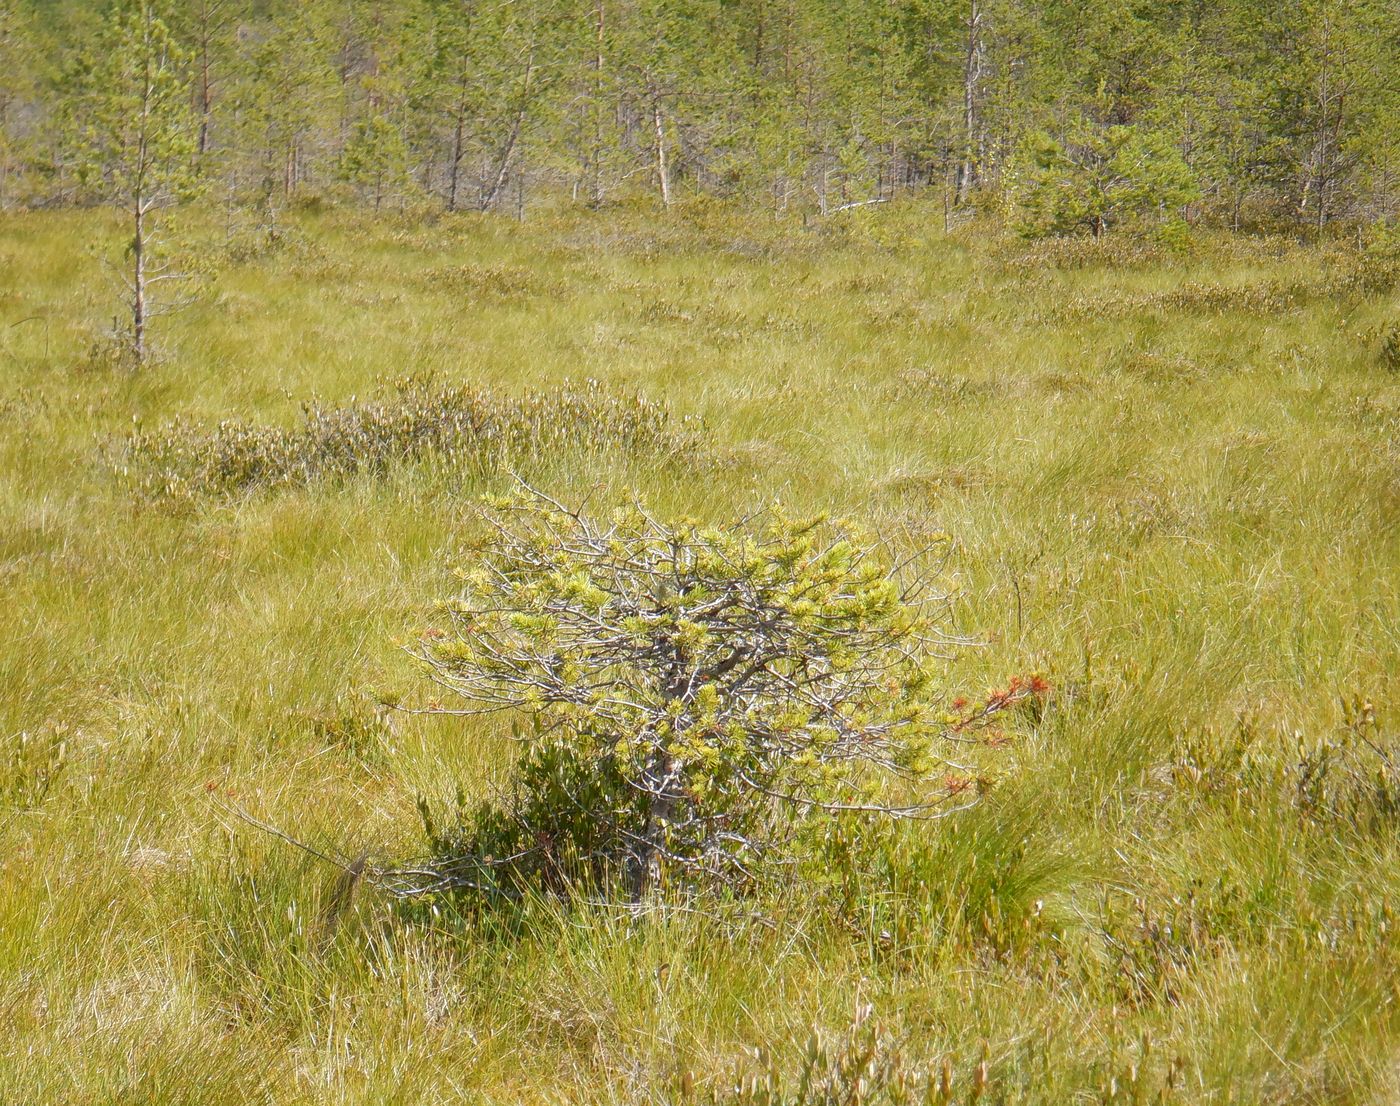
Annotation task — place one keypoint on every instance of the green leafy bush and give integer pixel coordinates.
(419, 422)
(696, 695)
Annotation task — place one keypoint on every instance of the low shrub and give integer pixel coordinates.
(418, 422)
(493, 283)
(1018, 256)
(695, 698)
(1344, 780)
(1353, 777)
(867, 1064)
(1266, 298)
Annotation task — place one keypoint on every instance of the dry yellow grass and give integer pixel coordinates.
(1182, 508)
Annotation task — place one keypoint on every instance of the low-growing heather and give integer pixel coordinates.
(418, 422)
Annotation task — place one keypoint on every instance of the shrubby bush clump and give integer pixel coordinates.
(692, 700)
(419, 422)
(1353, 777)
(1024, 255)
(1344, 781)
(869, 1064)
(1101, 173)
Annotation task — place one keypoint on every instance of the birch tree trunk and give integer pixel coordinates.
(663, 173)
(972, 75)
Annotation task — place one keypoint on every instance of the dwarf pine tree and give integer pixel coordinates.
(136, 135)
(692, 696)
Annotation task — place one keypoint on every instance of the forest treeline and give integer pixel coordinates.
(1068, 115)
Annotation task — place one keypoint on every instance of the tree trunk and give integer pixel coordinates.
(503, 167)
(138, 282)
(662, 171)
(644, 861)
(972, 75)
(4, 159)
(488, 198)
(455, 174)
(596, 155)
(205, 99)
(947, 213)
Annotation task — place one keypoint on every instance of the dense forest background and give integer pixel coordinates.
(1064, 115)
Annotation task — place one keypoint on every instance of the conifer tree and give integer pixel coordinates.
(207, 30)
(137, 138)
(1099, 174)
(1335, 80)
(376, 157)
(1284, 113)
(281, 104)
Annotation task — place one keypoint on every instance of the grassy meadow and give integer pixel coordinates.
(1169, 481)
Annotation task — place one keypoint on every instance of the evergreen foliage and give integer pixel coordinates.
(1245, 113)
(1102, 174)
(133, 132)
(696, 695)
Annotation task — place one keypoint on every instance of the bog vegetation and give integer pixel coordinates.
(455, 428)
(1144, 474)
(864, 569)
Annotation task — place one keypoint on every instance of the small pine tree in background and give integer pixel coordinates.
(376, 159)
(135, 132)
(1099, 175)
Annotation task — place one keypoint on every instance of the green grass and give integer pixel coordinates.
(1169, 486)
